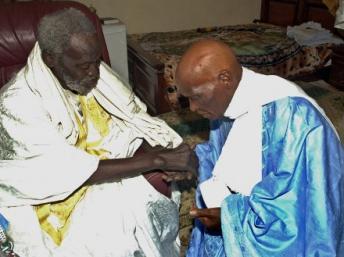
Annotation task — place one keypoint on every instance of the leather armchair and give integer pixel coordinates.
(18, 30)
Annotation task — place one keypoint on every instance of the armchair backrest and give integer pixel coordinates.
(18, 32)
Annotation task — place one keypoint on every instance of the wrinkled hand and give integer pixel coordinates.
(210, 218)
(181, 158)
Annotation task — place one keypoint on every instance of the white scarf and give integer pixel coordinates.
(110, 92)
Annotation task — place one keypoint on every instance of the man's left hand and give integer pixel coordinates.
(210, 218)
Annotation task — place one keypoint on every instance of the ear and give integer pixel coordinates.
(225, 76)
(49, 59)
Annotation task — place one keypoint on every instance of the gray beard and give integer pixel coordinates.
(77, 86)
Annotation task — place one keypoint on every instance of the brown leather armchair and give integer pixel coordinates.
(18, 30)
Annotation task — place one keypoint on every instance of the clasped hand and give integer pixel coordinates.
(178, 164)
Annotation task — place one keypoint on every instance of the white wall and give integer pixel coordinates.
(167, 15)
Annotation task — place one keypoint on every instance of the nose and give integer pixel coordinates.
(93, 70)
(193, 106)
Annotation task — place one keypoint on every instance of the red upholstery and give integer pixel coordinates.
(18, 30)
(155, 179)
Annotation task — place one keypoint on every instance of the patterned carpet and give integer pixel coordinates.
(194, 129)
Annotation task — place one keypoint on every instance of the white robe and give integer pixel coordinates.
(125, 218)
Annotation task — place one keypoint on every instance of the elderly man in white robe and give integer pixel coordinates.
(71, 183)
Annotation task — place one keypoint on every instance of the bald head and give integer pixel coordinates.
(205, 60)
(208, 75)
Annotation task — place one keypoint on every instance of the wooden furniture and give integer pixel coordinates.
(146, 76)
(293, 12)
(336, 77)
(146, 73)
